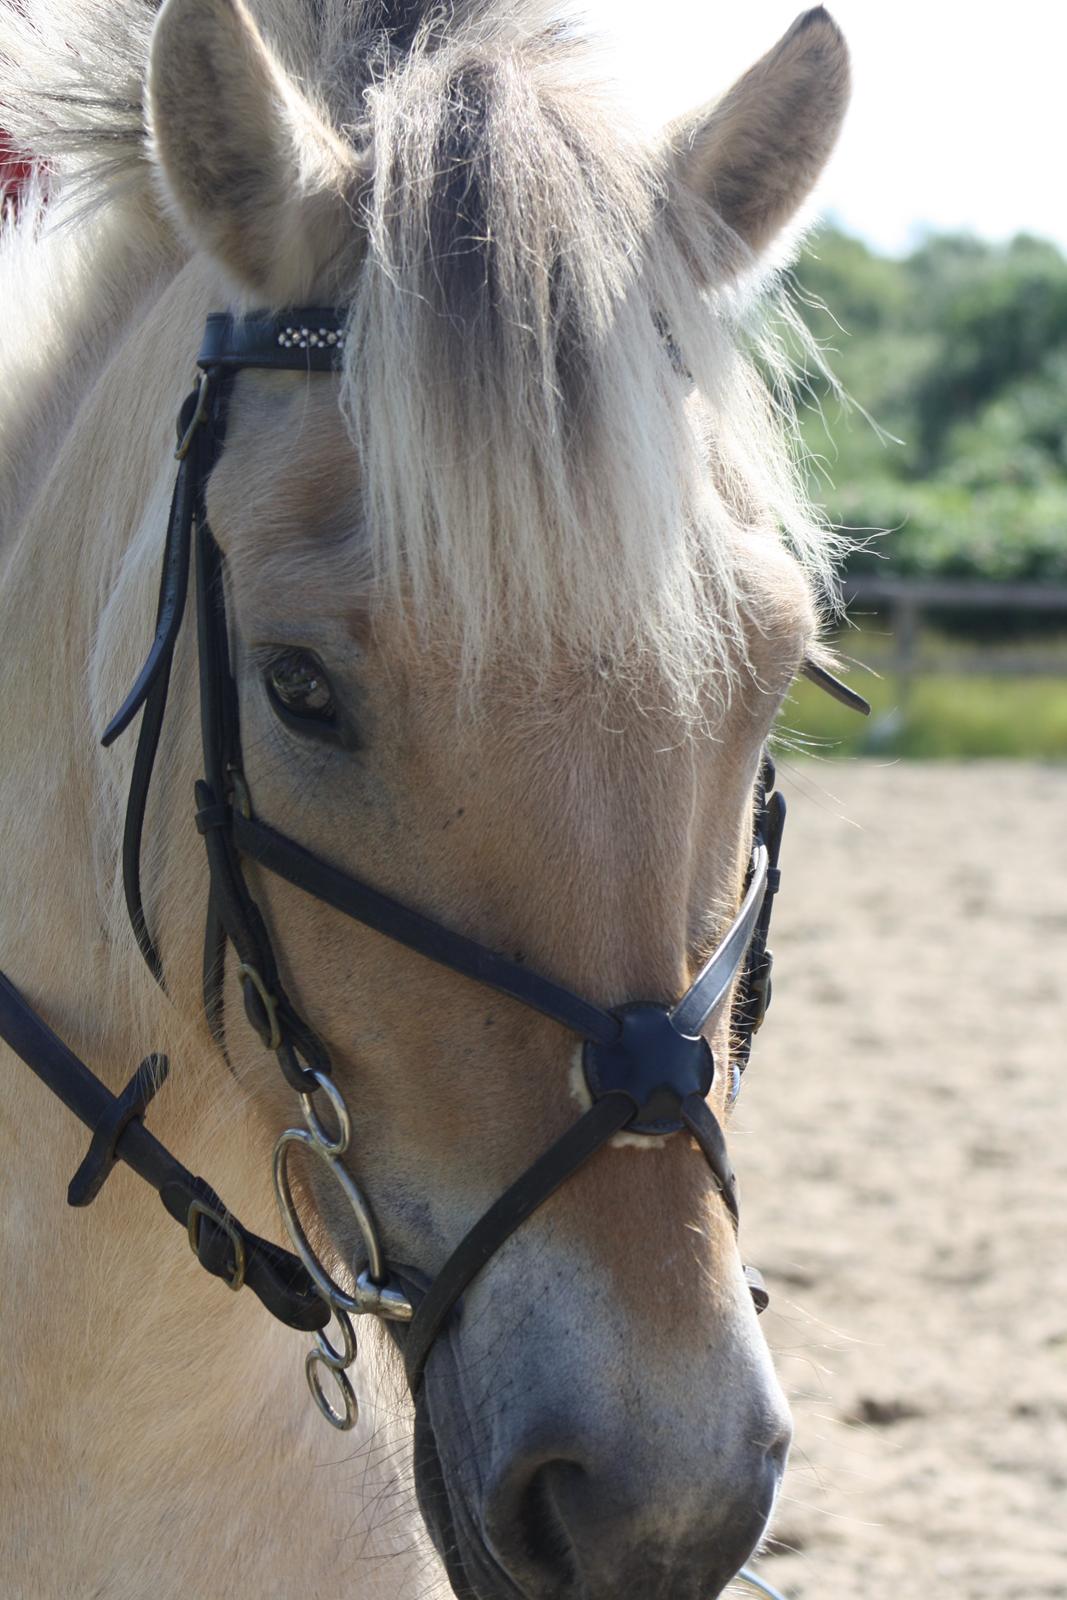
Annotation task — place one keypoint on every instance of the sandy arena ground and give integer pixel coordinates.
(902, 1146)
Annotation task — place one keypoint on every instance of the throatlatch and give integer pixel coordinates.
(648, 1068)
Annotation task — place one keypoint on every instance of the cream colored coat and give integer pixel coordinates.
(562, 671)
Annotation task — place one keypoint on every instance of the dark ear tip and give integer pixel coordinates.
(818, 16)
(807, 19)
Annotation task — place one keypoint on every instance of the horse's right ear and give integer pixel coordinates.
(256, 173)
(754, 155)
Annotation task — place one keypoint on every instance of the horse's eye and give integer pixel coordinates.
(300, 689)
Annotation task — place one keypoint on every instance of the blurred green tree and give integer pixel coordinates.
(959, 354)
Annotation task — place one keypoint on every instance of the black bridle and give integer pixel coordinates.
(647, 1067)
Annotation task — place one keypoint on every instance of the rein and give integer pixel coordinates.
(647, 1067)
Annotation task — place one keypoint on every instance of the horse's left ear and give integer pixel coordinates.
(755, 155)
(257, 174)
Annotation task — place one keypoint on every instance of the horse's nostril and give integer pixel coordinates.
(560, 1531)
(541, 1518)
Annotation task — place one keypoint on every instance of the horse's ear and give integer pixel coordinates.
(256, 173)
(755, 155)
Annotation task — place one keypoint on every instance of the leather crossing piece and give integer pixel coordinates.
(222, 1246)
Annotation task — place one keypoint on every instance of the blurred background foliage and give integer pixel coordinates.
(958, 355)
(960, 352)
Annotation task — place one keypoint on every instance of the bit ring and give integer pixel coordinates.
(338, 1360)
(341, 1420)
(330, 1147)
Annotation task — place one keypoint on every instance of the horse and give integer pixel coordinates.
(513, 594)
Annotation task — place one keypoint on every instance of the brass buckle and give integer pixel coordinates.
(269, 1002)
(199, 1209)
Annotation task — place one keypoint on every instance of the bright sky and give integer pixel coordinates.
(958, 112)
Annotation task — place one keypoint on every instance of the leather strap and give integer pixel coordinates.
(704, 1125)
(712, 984)
(610, 1114)
(132, 1103)
(174, 585)
(289, 860)
(757, 1288)
(835, 688)
(223, 1245)
(149, 693)
(754, 988)
(233, 914)
(605, 1118)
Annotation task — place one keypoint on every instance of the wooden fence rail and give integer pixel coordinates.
(906, 602)
(942, 593)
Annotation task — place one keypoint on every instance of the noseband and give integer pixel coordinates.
(647, 1068)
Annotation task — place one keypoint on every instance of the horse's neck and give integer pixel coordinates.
(69, 291)
(65, 291)
(178, 1425)
(82, 464)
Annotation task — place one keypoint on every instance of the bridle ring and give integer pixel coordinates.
(338, 1360)
(342, 1420)
(330, 1147)
(331, 1292)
